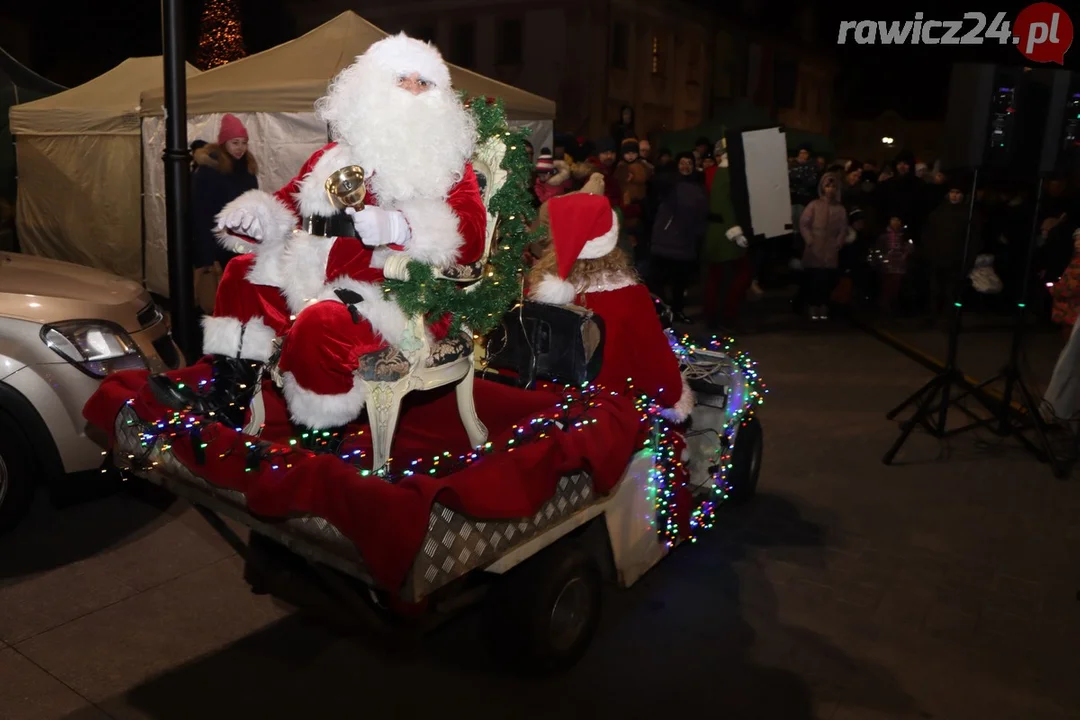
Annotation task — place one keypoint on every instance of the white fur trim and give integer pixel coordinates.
(221, 335)
(378, 307)
(851, 235)
(404, 55)
(312, 198)
(607, 283)
(435, 238)
(276, 220)
(601, 246)
(733, 232)
(300, 271)
(553, 291)
(380, 255)
(321, 412)
(258, 341)
(683, 407)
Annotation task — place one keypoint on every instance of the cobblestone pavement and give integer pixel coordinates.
(944, 587)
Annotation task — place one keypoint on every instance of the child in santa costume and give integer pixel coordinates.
(583, 266)
(312, 271)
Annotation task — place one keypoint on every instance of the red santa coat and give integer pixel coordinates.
(288, 270)
(635, 345)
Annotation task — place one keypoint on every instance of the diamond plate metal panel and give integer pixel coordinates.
(453, 546)
(456, 545)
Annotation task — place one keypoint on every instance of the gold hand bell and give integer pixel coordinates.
(346, 188)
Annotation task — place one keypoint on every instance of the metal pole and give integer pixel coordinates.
(178, 180)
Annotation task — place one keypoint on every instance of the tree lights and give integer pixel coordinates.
(220, 38)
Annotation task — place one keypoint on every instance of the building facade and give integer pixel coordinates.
(863, 139)
(670, 61)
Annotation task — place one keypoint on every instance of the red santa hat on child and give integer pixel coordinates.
(582, 227)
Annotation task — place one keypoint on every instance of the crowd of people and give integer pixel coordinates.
(892, 239)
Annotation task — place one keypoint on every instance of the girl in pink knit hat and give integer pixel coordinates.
(223, 171)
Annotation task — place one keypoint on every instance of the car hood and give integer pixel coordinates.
(42, 290)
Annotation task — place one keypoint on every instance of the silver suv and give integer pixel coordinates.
(63, 328)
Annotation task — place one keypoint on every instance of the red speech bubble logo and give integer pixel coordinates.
(1043, 33)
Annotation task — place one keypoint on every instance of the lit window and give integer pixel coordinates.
(656, 55)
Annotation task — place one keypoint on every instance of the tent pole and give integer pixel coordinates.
(178, 181)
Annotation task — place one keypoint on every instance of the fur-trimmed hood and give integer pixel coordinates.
(214, 156)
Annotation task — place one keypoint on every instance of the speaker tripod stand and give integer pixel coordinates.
(1002, 417)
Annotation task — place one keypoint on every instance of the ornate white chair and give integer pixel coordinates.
(388, 376)
(420, 364)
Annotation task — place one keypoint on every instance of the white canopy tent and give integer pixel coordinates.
(78, 159)
(273, 93)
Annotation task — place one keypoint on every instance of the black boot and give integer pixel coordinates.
(227, 395)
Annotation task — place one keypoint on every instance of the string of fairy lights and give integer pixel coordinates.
(573, 413)
(221, 40)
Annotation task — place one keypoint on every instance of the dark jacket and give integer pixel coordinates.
(945, 234)
(803, 183)
(681, 220)
(218, 180)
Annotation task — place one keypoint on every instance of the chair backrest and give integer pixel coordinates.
(487, 164)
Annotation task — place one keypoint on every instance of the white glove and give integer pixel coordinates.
(240, 222)
(741, 241)
(376, 226)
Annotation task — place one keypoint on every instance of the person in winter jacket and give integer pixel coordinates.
(943, 242)
(224, 171)
(824, 230)
(632, 176)
(730, 273)
(1066, 292)
(677, 235)
(602, 162)
(552, 177)
(894, 249)
(803, 177)
(624, 128)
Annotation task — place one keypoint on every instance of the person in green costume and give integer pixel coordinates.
(729, 268)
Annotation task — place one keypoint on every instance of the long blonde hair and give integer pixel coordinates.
(585, 273)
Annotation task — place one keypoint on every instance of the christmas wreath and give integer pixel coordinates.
(482, 307)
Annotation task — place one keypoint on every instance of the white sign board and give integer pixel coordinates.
(767, 182)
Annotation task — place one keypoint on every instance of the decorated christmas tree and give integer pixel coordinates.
(220, 38)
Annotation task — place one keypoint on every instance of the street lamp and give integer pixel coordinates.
(886, 140)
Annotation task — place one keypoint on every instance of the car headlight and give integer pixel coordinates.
(96, 347)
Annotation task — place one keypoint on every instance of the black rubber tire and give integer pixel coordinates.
(521, 607)
(746, 461)
(18, 465)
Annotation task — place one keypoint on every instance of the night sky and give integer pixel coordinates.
(75, 46)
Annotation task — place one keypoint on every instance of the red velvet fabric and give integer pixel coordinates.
(467, 203)
(388, 521)
(635, 346)
(238, 297)
(322, 349)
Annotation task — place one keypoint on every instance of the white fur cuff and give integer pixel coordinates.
(683, 407)
(276, 221)
(311, 199)
(322, 412)
(734, 232)
(258, 341)
(434, 235)
(553, 291)
(221, 335)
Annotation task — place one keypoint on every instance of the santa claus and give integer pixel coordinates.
(311, 271)
(581, 265)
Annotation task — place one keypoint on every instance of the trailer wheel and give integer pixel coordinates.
(544, 614)
(746, 461)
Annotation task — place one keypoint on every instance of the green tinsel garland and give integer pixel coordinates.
(481, 309)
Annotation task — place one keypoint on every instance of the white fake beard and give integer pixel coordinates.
(412, 146)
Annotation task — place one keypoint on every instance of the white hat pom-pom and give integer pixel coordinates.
(553, 291)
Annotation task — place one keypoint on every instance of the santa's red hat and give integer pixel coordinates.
(582, 227)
